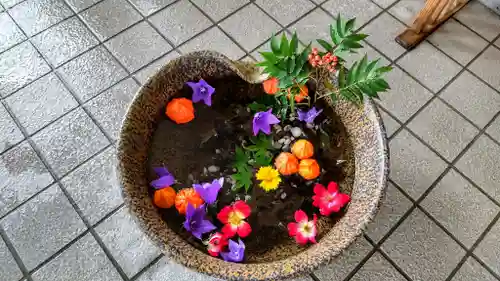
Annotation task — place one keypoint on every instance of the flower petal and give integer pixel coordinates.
(223, 214)
(205, 226)
(300, 216)
(319, 189)
(333, 187)
(229, 230)
(300, 238)
(292, 228)
(244, 229)
(243, 208)
(162, 182)
(161, 171)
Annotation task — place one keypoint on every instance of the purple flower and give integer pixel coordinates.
(209, 191)
(166, 179)
(195, 221)
(310, 115)
(236, 251)
(202, 91)
(262, 121)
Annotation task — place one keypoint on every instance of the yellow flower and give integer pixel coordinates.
(269, 177)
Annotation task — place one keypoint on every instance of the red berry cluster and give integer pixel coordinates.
(328, 60)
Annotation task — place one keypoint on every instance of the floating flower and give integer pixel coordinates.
(164, 198)
(187, 196)
(286, 163)
(309, 115)
(262, 121)
(309, 169)
(166, 179)
(233, 217)
(303, 229)
(301, 95)
(236, 251)
(303, 149)
(271, 85)
(216, 243)
(180, 110)
(209, 191)
(202, 91)
(269, 177)
(196, 221)
(331, 200)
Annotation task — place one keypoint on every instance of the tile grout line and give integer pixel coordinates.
(147, 267)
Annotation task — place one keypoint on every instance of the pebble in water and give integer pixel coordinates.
(217, 151)
(287, 128)
(281, 141)
(296, 132)
(213, 169)
(283, 195)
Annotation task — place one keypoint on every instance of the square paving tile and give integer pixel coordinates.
(10, 133)
(69, 141)
(473, 98)
(377, 268)
(480, 163)
(22, 174)
(340, 267)
(19, 66)
(147, 7)
(42, 226)
(384, 3)
(10, 3)
(425, 63)
(166, 269)
(143, 74)
(390, 124)
(392, 208)
(489, 249)
(457, 41)
(214, 39)
(8, 266)
(110, 17)
(10, 34)
(217, 10)
(405, 97)
(362, 10)
(41, 102)
(34, 16)
(443, 129)
(414, 167)
(494, 129)
(250, 27)
(64, 41)
(422, 249)
(472, 270)
(285, 12)
(180, 21)
(480, 18)
(79, 5)
(465, 221)
(83, 261)
(110, 107)
(405, 10)
(91, 73)
(138, 46)
(486, 67)
(313, 26)
(94, 186)
(382, 32)
(126, 242)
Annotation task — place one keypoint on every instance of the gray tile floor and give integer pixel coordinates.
(68, 69)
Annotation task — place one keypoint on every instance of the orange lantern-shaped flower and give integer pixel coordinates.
(164, 198)
(286, 163)
(271, 85)
(303, 149)
(309, 169)
(180, 110)
(301, 95)
(185, 196)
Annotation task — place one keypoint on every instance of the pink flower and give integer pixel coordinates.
(331, 200)
(216, 243)
(304, 230)
(233, 217)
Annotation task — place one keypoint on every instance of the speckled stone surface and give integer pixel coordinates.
(365, 131)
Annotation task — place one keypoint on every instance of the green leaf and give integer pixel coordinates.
(294, 44)
(328, 47)
(291, 65)
(350, 75)
(342, 81)
(269, 56)
(284, 45)
(275, 45)
(340, 26)
(256, 107)
(350, 24)
(356, 37)
(361, 70)
(334, 35)
(285, 82)
(351, 44)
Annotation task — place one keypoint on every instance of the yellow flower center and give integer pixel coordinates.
(234, 218)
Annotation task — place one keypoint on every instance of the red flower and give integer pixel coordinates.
(233, 217)
(216, 244)
(331, 200)
(304, 230)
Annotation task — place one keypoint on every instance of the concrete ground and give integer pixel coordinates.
(68, 69)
